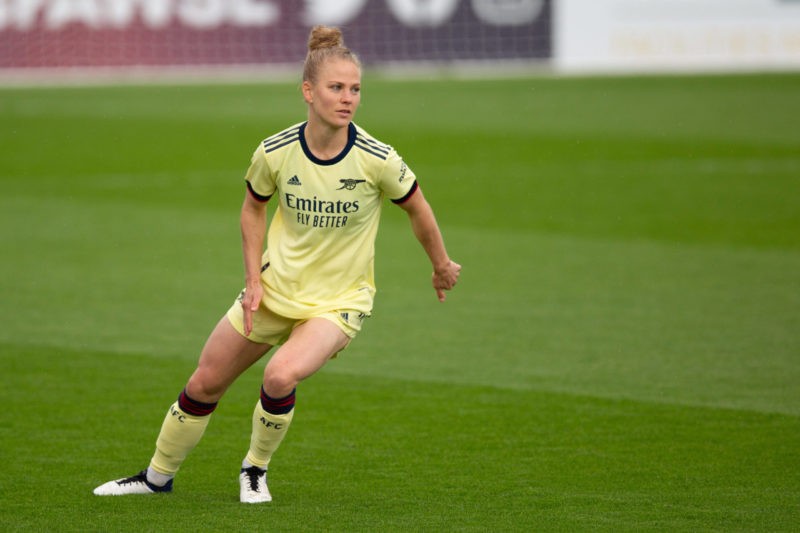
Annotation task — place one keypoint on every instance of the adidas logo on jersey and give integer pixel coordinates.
(294, 180)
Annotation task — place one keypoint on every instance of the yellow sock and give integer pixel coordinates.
(179, 434)
(268, 432)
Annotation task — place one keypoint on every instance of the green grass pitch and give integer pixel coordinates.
(622, 352)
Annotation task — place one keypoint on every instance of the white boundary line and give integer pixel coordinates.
(258, 73)
(47, 78)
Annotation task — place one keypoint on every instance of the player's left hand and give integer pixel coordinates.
(445, 278)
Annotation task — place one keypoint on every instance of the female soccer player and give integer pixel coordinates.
(309, 292)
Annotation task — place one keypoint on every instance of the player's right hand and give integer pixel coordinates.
(251, 299)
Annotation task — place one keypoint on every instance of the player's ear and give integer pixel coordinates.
(306, 88)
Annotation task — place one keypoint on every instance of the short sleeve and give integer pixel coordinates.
(397, 180)
(259, 178)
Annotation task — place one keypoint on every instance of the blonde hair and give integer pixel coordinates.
(325, 42)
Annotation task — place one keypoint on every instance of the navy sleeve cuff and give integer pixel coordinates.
(255, 194)
(408, 194)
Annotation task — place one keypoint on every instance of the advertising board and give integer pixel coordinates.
(644, 35)
(114, 33)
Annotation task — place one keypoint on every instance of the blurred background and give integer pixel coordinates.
(158, 39)
(619, 178)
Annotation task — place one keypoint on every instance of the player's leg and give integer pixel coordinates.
(225, 356)
(308, 348)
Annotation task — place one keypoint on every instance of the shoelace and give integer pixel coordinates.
(138, 478)
(253, 473)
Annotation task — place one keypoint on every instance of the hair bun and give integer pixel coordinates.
(324, 37)
(325, 43)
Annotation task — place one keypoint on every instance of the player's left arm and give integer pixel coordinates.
(426, 230)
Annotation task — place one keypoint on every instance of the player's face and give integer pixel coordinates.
(334, 96)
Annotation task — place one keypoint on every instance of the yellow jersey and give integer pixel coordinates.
(321, 238)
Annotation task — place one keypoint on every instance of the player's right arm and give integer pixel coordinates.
(253, 223)
(260, 186)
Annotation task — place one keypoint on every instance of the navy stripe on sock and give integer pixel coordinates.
(193, 407)
(277, 406)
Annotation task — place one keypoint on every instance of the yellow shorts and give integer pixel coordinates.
(273, 329)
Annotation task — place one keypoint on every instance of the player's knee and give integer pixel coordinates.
(279, 383)
(203, 387)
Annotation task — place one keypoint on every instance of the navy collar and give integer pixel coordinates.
(351, 140)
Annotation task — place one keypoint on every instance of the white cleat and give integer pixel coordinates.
(253, 485)
(137, 484)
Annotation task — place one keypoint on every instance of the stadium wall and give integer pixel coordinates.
(162, 38)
